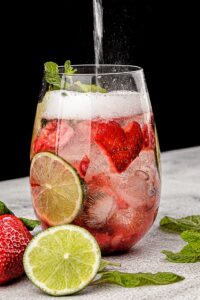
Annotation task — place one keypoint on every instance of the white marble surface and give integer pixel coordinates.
(180, 197)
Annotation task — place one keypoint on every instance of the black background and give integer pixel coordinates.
(160, 37)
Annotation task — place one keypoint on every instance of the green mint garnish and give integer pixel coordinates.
(51, 67)
(129, 280)
(53, 78)
(52, 74)
(4, 209)
(190, 253)
(105, 263)
(180, 225)
(30, 224)
(68, 68)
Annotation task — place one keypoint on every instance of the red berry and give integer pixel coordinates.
(84, 164)
(121, 146)
(14, 238)
(55, 135)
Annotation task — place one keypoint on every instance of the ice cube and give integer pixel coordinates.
(98, 162)
(101, 202)
(98, 209)
(139, 184)
(79, 144)
(131, 221)
(124, 219)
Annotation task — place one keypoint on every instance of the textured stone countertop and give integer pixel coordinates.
(180, 197)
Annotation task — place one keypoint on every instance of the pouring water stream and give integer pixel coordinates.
(98, 32)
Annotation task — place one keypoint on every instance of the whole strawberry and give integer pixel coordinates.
(14, 238)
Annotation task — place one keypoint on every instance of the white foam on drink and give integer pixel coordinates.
(70, 105)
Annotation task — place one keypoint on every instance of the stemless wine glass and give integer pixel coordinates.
(99, 131)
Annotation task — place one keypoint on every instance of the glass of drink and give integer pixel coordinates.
(102, 126)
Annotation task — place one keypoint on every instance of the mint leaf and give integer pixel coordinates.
(52, 74)
(180, 225)
(4, 209)
(191, 237)
(30, 224)
(137, 279)
(51, 67)
(68, 68)
(190, 253)
(186, 255)
(106, 263)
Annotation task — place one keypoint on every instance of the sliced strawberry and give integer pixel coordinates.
(55, 135)
(84, 164)
(121, 146)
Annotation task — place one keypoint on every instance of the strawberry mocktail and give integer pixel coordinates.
(110, 140)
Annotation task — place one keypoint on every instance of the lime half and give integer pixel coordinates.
(57, 189)
(62, 260)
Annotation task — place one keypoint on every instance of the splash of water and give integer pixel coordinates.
(98, 31)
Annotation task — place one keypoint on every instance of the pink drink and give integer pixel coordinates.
(110, 139)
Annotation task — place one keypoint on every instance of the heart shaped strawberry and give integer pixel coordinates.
(121, 146)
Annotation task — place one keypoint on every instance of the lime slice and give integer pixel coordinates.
(57, 189)
(62, 260)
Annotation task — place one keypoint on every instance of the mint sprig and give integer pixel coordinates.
(29, 223)
(190, 253)
(69, 70)
(131, 280)
(52, 74)
(180, 225)
(55, 82)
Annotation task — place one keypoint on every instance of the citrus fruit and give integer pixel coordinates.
(62, 260)
(57, 189)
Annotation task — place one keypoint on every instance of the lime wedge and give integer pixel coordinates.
(57, 189)
(62, 260)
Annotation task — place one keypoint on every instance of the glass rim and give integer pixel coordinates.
(133, 70)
